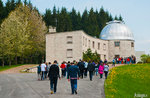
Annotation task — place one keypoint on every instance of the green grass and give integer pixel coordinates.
(6, 67)
(128, 80)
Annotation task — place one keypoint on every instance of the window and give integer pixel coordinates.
(89, 43)
(98, 46)
(69, 40)
(117, 44)
(104, 46)
(69, 53)
(93, 44)
(85, 42)
(132, 44)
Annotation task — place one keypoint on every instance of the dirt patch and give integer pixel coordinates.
(17, 69)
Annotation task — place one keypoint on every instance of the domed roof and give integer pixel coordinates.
(116, 30)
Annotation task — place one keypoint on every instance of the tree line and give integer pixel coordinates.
(92, 22)
(23, 28)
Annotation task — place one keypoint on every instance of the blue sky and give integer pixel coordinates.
(136, 14)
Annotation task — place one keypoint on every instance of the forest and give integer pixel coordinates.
(23, 28)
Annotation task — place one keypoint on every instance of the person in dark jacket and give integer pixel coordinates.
(53, 76)
(81, 68)
(73, 75)
(91, 68)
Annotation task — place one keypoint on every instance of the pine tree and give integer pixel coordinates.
(64, 21)
(48, 17)
(76, 19)
(54, 17)
(120, 18)
(84, 20)
(1, 11)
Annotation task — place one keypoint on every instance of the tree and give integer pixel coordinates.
(1, 11)
(64, 21)
(22, 35)
(48, 17)
(145, 58)
(89, 56)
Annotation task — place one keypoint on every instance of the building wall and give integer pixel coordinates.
(57, 45)
(124, 50)
(101, 46)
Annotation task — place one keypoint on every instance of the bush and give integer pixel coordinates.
(89, 56)
(148, 60)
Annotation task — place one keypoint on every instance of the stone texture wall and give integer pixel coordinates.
(87, 42)
(124, 50)
(56, 46)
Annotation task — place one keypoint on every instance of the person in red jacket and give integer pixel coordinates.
(63, 69)
(128, 60)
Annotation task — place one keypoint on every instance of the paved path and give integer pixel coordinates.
(25, 85)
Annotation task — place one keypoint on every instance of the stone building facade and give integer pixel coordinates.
(69, 46)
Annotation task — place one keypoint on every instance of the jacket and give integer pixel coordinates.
(100, 69)
(81, 65)
(73, 71)
(53, 71)
(91, 67)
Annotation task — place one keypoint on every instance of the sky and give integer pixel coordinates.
(135, 13)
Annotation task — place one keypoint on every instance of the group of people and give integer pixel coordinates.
(73, 70)
(125, 60)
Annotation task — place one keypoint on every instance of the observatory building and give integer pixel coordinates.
(116, 40)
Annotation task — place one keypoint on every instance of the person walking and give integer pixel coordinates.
(106, 69)
(63, 68)
(100, 70)
(81, 68)
(53, 77)
(96, 68)
(113, 62)
(72, 76)
(43, 69)
(39, 71)
(91, 68)
(68, 65)
(85, 68)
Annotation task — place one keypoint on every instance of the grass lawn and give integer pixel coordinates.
(128, 80)
(9, 67)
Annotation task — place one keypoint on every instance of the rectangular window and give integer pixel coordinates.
(117, 44)
(69, 53)
(98, 46)
(89, 43)
(132, 44)
(93, 44)
(69, 40)
(104, 46)
(85, 42)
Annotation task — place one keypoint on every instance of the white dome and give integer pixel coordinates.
(116, 30)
